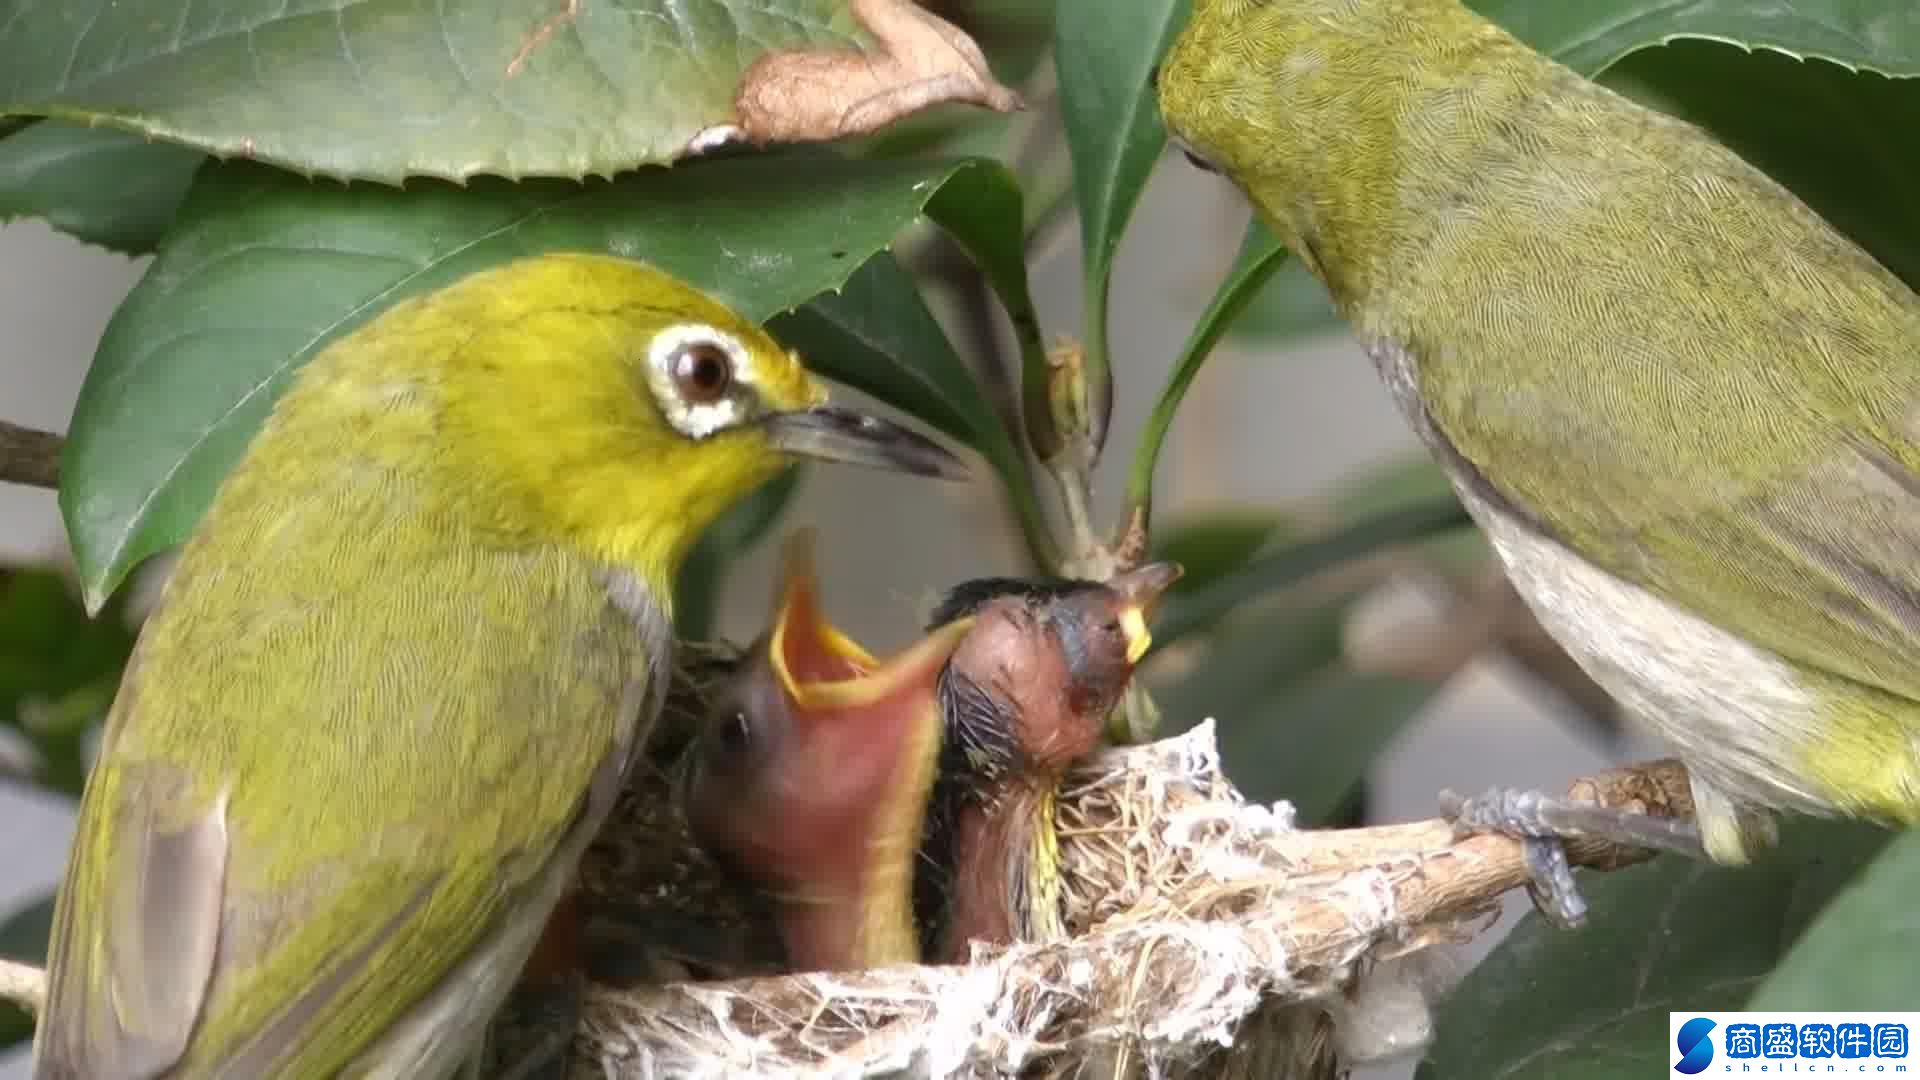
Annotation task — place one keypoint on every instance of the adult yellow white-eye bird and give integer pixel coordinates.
(1683, 407)
(393, 682)
(812, 779)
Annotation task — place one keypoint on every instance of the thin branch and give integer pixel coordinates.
(23, 984)
(29, 456)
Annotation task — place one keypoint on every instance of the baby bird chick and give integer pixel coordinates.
(813, 776)
(1024, 697)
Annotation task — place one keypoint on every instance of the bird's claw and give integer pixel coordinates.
(1544, 823)
(1519, 814)
(1550, 882)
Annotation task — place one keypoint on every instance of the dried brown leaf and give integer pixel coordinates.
(812, 95)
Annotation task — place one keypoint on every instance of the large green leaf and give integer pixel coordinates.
(1859, 953)
(1291, 304)
(1105, 54)
(263, 269)
(102, 186)
(58, 670)
(1186, 613)
(383, 89)
(976, 216)
(1880, 35)
(1398, 482)
(1294, 721)
(877, 335)
(1313, 743)
(1210, 545)
(1674, 934)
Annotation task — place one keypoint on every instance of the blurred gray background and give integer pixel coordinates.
(1261, 425)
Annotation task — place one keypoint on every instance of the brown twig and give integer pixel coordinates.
(23, 984)
(29, 456)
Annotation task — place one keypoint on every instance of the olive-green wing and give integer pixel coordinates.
(1685, 375)
(1799, 532)
(384, 757)
(1817, 560)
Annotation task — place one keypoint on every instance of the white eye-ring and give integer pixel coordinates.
(695, 372)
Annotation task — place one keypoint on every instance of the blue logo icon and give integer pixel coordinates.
(1696, 1050)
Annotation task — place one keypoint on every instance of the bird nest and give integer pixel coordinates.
(1207, 937)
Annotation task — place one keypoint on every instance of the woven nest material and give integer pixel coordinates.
(1209, 937)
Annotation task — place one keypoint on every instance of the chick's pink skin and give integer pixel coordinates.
(1054, 670)
(813, 782)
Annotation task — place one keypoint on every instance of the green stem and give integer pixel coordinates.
(1097, 366)
(1259, 257)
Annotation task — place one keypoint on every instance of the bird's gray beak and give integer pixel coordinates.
(856, 438)
(1140, 592)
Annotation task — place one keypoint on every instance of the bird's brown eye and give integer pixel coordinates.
(702, 372)
(736, 732)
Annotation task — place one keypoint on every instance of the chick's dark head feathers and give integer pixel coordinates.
(1054, 654)
(968, 597)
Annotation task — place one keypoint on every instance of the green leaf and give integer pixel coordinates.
(1292, 304)
(1294, 722)
(696, 595)
(1260, 255)
(1270, 653)
(58, 669)
(1880, 35)
(1673, 934)
(978, 215)
(384, 89)
(1014, 34)
(1105, 54)
(23, 936)
(1312, 745)
(1858, 954)
(1183, 614)
(102, 186)
(877, 336)
(1210, 546)
(1400, 482)
(983, 215)
(263, 270)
